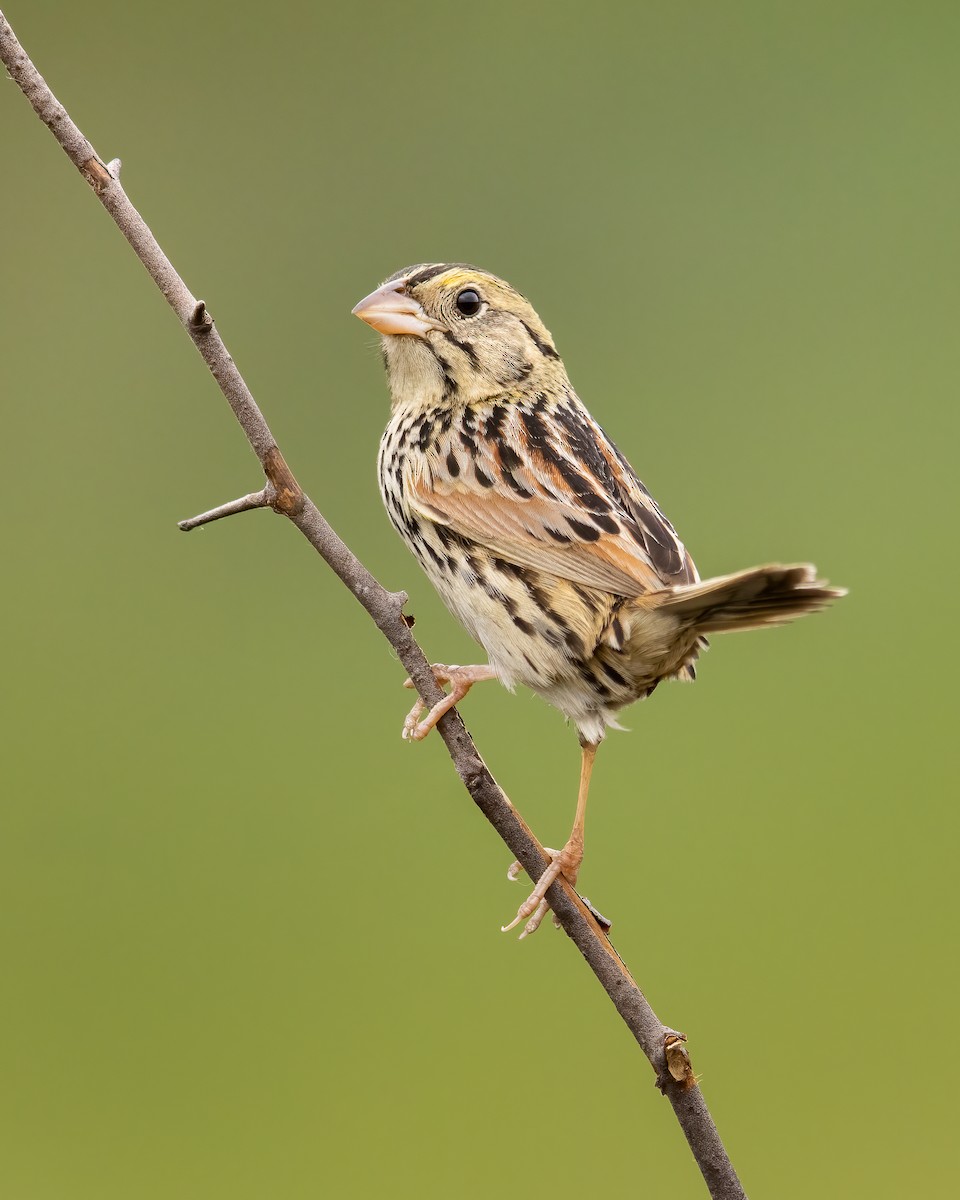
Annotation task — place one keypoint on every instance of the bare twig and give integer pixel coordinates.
(282, 493)
(261, 499)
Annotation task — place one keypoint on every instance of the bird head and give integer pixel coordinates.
(453, 334)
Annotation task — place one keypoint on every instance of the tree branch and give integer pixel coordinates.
(662, 1046)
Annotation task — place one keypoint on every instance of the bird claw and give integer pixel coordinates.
(534, 908)
(514, 871)
(412, 730)
(460, 679)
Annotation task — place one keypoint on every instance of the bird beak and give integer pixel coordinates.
(390, 310)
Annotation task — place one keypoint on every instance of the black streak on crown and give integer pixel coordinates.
(422, 272)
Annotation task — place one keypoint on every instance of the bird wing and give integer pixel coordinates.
(542, 486)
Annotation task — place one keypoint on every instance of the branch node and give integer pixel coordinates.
(287, 497)
(677, 1060)
(200, 320)
(97, 175)
(113, 166)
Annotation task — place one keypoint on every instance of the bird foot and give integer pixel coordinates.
(565, 862)
(460, 679)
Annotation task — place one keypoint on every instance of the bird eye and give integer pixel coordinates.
(468, 303)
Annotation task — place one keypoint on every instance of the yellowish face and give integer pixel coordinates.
(454, 334)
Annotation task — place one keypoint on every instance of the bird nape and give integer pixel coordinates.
(534, 528)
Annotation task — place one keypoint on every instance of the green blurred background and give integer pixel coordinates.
(740, 223)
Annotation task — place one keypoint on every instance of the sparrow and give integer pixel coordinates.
(534, 528)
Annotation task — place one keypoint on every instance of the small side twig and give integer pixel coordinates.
(259, 499)
(661, 1045)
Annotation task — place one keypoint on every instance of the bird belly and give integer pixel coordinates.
(529, 626)
(554, 637)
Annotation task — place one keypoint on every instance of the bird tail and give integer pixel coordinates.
(770, 595)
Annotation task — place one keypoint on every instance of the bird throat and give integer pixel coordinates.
(419, 377)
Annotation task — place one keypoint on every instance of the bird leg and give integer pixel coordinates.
(565, 862)
(460, 679)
